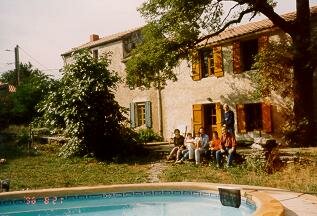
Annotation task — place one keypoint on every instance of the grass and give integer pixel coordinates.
(44, 169)
(294, 177)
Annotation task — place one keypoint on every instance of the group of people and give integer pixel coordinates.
(194, 148)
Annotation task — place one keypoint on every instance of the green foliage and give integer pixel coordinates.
(172, 31)
(26, 71)
(274, 70)
(19, 107)
(148, 135)
(292, 132)
(256, 161)
(84, 107)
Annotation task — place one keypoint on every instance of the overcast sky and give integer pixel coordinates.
(46, 28)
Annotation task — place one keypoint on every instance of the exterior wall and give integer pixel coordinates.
(124, 95)
(178, 97)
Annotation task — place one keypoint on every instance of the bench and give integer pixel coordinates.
(56, 139)
(161, 148)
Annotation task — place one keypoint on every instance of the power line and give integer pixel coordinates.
(33, 58)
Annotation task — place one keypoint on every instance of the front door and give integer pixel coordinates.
(208, 116)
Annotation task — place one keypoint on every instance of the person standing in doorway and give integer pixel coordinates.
(228, 120)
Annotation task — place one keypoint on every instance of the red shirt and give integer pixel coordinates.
(227, 140)
(216, 144)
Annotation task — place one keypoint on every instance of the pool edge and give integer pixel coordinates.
(266, 205)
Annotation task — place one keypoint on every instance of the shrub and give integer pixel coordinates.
(148, 135)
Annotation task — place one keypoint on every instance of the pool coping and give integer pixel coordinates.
(266, 205)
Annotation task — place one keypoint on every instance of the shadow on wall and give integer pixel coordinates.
(242, 91)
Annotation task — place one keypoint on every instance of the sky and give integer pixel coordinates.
(44, 29)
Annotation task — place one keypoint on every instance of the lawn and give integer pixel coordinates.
(44, 169)
(295, 177)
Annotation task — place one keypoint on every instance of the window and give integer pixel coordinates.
(249, 49)
(95, 53)
(254, 116)
(244, 52)
(141, 114)
(207, 62)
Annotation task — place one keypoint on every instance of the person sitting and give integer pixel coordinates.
(214, 144)
(228, 146)
(202, 145)
(189, 152)
(178, 142)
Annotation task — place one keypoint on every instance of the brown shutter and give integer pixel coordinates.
(196, 71)
(236, 56)
(241, 118)
(217, 55)
(263, 41)
(197, 117)
(219, 118)
(266, 118)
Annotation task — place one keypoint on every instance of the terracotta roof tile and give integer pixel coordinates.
(251, 27)
(227, 34)
(104, 40)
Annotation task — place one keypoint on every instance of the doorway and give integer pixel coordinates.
(208, 116)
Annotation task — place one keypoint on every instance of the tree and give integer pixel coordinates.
(84, 107)
(175, 28)
(275, 76)
(26, 70)
(33, 86)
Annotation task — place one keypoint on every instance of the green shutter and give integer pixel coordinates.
(148, 114)
(132, 115)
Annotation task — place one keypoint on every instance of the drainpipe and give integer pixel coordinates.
(160, 116)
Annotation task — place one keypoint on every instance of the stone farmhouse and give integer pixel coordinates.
(219, 75)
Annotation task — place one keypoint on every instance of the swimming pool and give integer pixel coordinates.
(143, 199)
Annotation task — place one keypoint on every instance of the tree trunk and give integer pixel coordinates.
(303, 74)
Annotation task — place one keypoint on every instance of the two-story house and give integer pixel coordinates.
(218, 74)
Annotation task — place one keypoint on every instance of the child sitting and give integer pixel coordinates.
(189, 152)
(214, 144)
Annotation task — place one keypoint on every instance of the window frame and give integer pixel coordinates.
(140, 114)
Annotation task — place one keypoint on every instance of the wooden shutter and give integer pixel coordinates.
(217, 55)
(263, 41)
(266, 118)
(148, 114)
(219, 118)
(241, 123)
(197, 117)
(236, 56)
(132, 115)
(196, 69)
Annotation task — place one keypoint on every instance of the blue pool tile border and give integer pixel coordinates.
(113, 195)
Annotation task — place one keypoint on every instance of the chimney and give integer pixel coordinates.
(94, 37)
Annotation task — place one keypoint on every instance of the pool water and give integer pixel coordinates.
(146, 203)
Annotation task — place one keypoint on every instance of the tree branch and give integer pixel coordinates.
(267, 10)
(238, 20)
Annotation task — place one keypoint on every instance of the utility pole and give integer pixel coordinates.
(17, 63)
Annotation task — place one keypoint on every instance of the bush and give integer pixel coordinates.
(148, 135)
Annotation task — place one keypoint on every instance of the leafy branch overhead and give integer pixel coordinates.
(175, 27)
